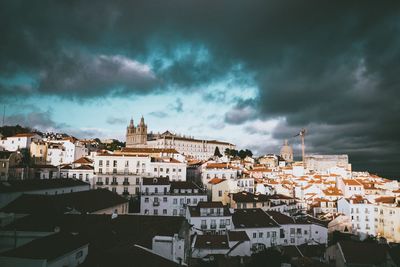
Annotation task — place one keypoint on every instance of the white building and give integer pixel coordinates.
(323, 163)
(188, 146)
(361, 213)
(19, 141)
(219, 170)
(159, 196)
(123, 172)
(209, 217)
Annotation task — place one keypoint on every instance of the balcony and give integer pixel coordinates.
(213, 226)
(125, 193)
(114, 183)
(125, 183)
(203, 226)
(99, 183)
(156, 204)
(222, 226)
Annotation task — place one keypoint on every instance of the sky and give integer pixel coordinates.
(248, 72)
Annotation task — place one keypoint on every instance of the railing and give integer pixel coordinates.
(222, 226)
(125, 193)
(99, 183)
(114, 183)
(125, 183)
(213, 226)
(203, 226)
(156, 204)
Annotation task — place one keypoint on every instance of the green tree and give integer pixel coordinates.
(217, 153)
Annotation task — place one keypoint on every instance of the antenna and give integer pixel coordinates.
(302, 135)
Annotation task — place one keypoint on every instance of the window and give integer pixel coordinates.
(146, 199)
(175, 212)
(164, 211)
(155, 212)
(165, 199)
(79, 254)
(100, 163)
(260, 235)
(155, 169)
(175, 201)
(156, 190)
(292, 240)
(137, 181)
(220, 193)
(268, 234)
(115, 163)
(114, 190)
(254, 235)
(228, 222)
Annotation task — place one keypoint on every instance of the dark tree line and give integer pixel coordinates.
(241, 153)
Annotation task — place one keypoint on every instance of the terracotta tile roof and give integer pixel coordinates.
(386, 200)
(216, 180)
(83, 160)
(220, 166)
(332, 191)
(351, 182)
(25, 135)
(358, 199)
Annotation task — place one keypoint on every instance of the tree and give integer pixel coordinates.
(231, 152)
(217, 153)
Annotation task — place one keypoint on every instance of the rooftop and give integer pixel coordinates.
(103, 231)
(49, 247)
(252, 218)
(211, 242)
(83, 202)
(249, 197)
(36, 184)
(156, 181)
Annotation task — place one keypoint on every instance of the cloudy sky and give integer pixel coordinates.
(248, 72)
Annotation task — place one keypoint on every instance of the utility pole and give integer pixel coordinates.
(302, 135)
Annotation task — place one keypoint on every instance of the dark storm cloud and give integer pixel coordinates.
(242, 111)
(319, 64)
(114, 120)
(41, 120)
(159, 114)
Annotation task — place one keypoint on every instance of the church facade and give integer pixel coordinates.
(136, 136)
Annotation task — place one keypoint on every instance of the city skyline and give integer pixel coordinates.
(239, 72)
